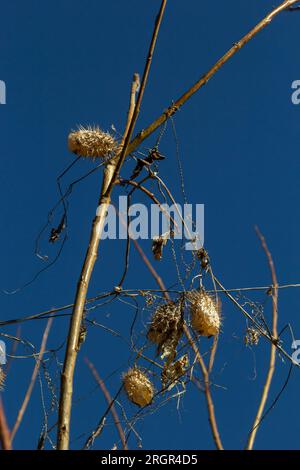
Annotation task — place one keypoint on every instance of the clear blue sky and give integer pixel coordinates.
(70, 62)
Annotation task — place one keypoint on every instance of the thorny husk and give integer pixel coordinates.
(92, 142)
(138, 387)
(166, 329)
(205, 314)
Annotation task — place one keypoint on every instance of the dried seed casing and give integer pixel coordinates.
(205, 314)
(138, 386)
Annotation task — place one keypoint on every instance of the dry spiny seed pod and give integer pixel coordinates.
(91, 142)
(172, 372)
(205, 313)
(2, 378)
(166, 329)
(138, 387)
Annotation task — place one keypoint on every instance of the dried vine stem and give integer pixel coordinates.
(205, 78)
(262, 331)
(111, 173)
(32, 380)
(271, 369)
(206, 378)
(109, 402)
(5, 439)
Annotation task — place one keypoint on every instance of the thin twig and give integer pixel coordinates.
(33, 379)
(271, 370)
(109, 402)
(50, 312)
(264, 333)
(209, 400)
(5, 436)
(148, 193)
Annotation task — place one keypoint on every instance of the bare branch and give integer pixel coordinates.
(109, 402)
(5, 436)
(271, 369)
(33, 379)
(171, 110)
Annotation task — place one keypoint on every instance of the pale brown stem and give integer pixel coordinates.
(33, 379)
(204, 79)
(271, 370)
(209, 400)
(109, 402)
(110, 176)
(5, 439)
(66, 391)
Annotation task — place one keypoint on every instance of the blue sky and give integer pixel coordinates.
(70, 62)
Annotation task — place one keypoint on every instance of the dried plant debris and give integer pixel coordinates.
(166, 328)
(2, 378)
(92, 142)
(173, 372)
(205, 313)
(56, 232)
(149, 298)
(152, 157)
(158, 244)
(203, 257)
(82, 335)
(138, 386)
(252, 336)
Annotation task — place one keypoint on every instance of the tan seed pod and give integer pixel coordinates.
(91, 142)
(139, 388)
(166, 329)
(205, 315)
(2, 379)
